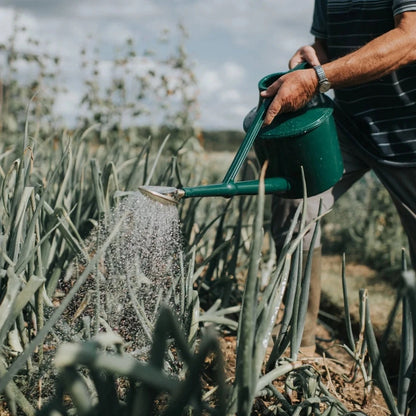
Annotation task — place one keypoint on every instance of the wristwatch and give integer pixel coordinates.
(324, 84)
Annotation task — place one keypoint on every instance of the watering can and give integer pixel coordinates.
(302, 140)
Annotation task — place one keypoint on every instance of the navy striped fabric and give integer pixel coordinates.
(383, 110)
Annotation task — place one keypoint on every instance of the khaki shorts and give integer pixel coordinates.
(400, 182)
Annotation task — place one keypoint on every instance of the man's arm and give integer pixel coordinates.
(377, 58)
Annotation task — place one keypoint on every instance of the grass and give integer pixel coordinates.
(57, 189)
(50, 205)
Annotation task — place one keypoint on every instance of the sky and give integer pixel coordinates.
(232, 44)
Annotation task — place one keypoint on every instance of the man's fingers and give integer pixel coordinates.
(276, 105)
(272, 89)
(304, 54)
(272, 112)
(309, 55)
(296, 60)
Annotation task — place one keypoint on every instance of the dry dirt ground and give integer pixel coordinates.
(335, 363)
(335, 366)
(336, 370)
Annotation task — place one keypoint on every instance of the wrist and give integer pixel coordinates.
(324, 84)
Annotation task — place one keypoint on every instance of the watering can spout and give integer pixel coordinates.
(229, 189)
(164, 194)
(169, 195)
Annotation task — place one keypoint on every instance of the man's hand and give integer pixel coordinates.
(294, 89)
(291, 92)
(305, 54)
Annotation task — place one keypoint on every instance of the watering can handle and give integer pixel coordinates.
(247, 142)
(252, 134)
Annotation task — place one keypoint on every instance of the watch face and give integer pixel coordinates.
(324, 86)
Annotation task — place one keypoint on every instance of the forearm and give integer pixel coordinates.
(377, 58)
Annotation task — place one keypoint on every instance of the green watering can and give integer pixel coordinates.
(306, 138)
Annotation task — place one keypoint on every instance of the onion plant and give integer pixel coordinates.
(54, 193)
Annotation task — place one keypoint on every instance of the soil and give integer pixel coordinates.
(333, 364)
(336, 370)
(381, 296)
(331, 361)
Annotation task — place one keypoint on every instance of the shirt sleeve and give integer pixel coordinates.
(319, 22)
(401, 6)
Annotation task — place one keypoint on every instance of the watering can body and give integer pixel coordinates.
(302, 140)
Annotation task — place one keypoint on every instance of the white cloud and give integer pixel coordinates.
(210, 82)
(233, 72)
(122, 9)
(234, 42)
(220, 78)
(65, 104)
(230, 96)
(223, 103)
(6, 19)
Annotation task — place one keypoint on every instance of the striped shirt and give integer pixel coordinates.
(384, 110)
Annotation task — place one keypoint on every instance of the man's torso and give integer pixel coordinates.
(385, 109)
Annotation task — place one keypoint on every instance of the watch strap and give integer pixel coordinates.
(324, 84)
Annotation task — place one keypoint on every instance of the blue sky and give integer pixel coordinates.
(232, 43)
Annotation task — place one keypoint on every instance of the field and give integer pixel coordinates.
(112, 303)
(219, 238)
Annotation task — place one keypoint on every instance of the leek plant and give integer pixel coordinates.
(49, 217)
(57, 187)
(148, 384)
(367, 345)
(52, 224)
(52, 194)
(404, 404)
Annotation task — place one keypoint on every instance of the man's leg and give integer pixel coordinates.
(283, 211)
(282, 214)
(311, 318)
